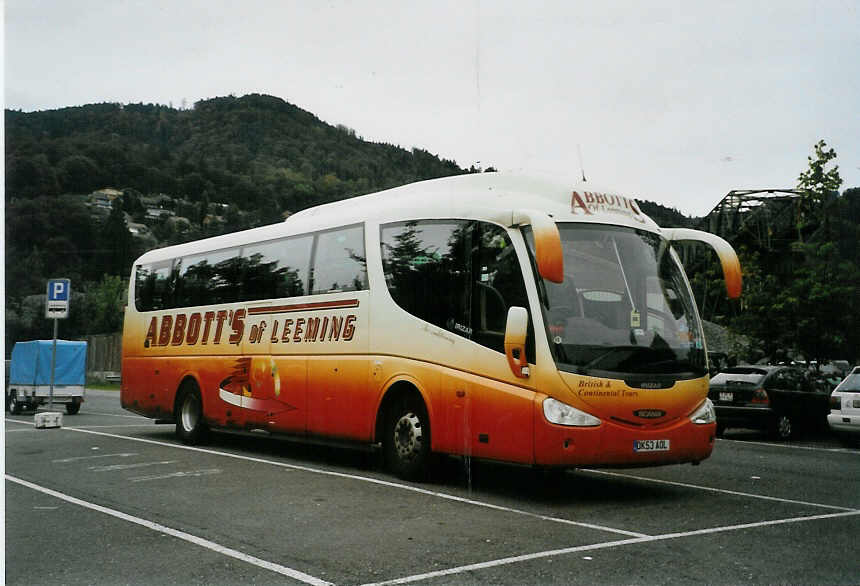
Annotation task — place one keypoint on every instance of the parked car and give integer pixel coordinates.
(844, 416)
(774, 398)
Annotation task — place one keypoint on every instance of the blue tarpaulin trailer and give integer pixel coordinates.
(29, 383)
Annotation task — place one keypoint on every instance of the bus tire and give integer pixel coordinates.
(407, 439)
(190, 425)
(15, 406)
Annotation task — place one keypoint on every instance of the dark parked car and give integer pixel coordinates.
(772, 398)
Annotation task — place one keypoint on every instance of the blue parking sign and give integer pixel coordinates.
(57, 302)
(58, 289)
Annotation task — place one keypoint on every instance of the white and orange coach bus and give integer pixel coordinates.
(484, 315)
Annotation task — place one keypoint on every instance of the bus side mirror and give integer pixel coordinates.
(728, 256)
(516, 331)
(548, 252)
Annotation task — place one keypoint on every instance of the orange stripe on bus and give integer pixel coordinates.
(304, 307)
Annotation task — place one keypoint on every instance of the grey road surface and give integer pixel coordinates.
(112, 498)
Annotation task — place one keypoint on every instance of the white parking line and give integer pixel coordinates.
(719, 490)
(190, 474)
(151, 422)
(116, 467)
(211, 545)
(79, 458)
(377, 481)
(635, 538)
(605, 545)
(109, 426)
(30, 423)
(471, 501)
(794, 447)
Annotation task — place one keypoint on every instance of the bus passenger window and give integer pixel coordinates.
(497, 286)
(278, 268)
(427, 269)
(459, 275)
(214, 277)
(153, 286)
(339, 261)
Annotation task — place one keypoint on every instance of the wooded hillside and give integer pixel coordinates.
(90, 188)
(253, 152)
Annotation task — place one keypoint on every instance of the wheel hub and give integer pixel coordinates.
(408, 436)
(190, 414)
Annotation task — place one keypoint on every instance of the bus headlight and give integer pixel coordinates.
(564, 414)
(704, 414)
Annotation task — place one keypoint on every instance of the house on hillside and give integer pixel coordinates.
(103, 198)
(158, 206)
(100, 201)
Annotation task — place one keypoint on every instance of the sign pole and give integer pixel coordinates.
(53, 367)
(56, 308)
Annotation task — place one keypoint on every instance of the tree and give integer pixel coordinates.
(30, 177)
(193, 185)
(79, 174)
(104, 305)
(117, 244)
(818, 183)
(822, 302)
(817, 180)
(132, 205)
(47, 237)
(802, 297)
(203, 208)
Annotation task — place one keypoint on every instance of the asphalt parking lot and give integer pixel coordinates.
(112, 498)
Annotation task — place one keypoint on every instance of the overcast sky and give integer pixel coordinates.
(674, 102)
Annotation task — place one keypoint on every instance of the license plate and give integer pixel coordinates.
(658, 445)
(727, 397)
(857, 403)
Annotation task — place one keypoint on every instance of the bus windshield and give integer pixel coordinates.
(624, 307)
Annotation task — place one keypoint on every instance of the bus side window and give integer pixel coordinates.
(214, 277)
(459, 275)
(427, 268)
(153, 288)
(339, 261)
(497, 286)
(278, 268)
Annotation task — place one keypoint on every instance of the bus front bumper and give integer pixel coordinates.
(613, 445)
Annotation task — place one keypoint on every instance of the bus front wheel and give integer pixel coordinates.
(407, 439)
(190, 425)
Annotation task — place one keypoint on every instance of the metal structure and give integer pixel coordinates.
(764, 219)
(761, 215)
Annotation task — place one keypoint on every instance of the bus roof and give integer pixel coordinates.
(486, 195)
(491, 196)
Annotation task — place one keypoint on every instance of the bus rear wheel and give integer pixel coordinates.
(407, 439)
(190, 425)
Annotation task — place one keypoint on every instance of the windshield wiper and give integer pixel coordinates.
(614, 350)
